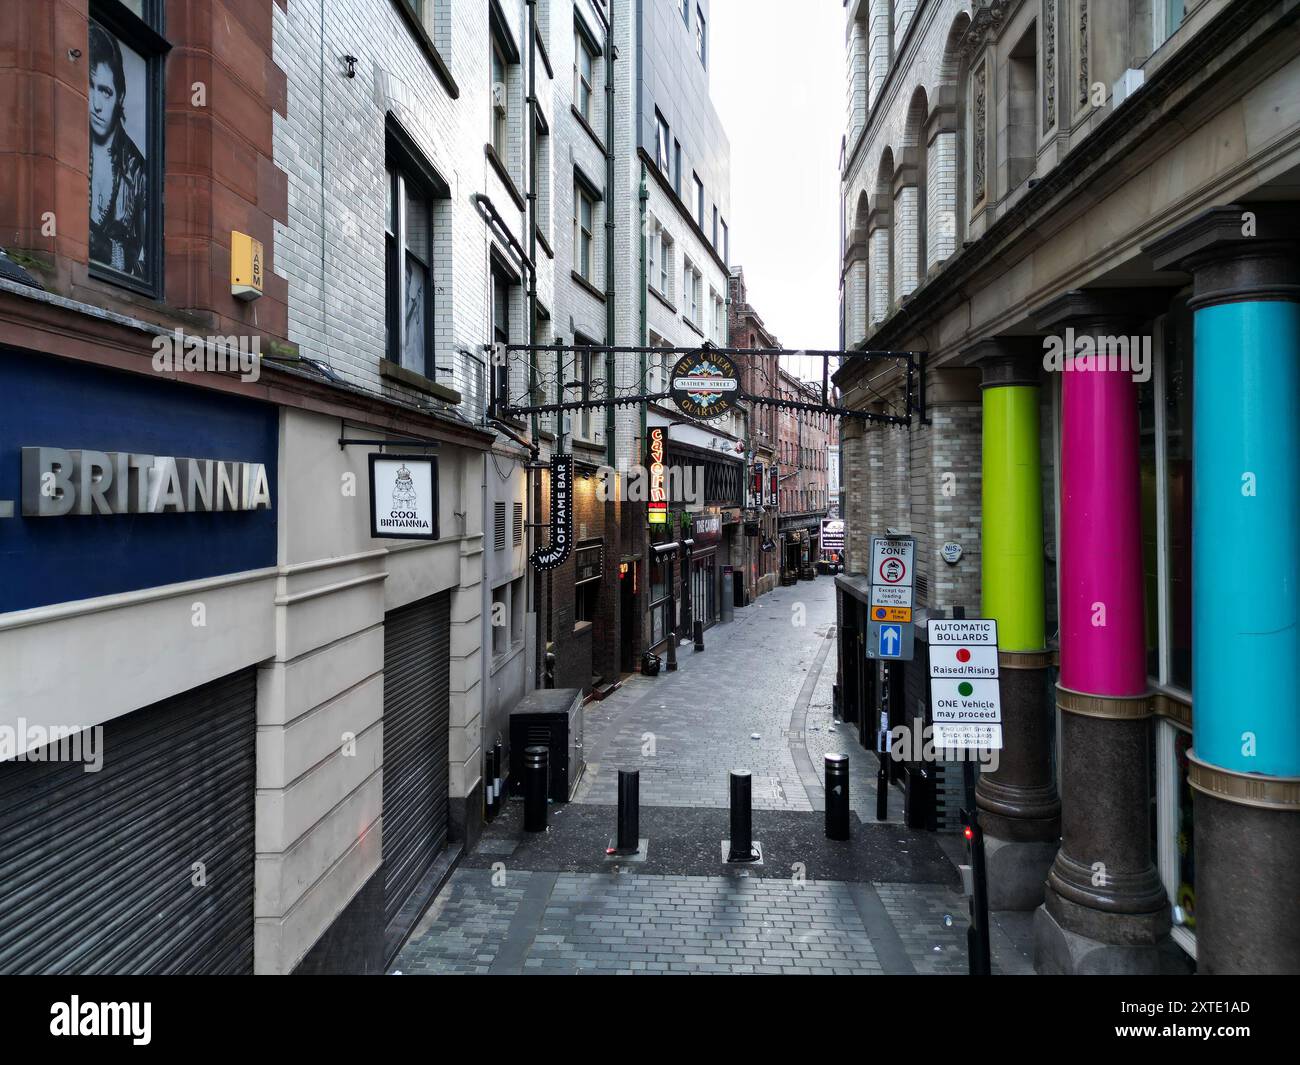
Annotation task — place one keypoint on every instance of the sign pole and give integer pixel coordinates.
(886, 754)
(977, 934)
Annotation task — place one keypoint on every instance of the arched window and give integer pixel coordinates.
(880, 251)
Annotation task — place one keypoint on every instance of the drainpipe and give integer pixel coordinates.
(611, 453)
(532, 477)
(644, 332)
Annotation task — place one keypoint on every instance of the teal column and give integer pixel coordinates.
(1245, 758)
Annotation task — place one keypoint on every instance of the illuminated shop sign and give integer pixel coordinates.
(557, 552)
(658, 479)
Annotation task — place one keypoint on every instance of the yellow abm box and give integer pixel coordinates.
(245, 266)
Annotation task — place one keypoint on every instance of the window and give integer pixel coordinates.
(701, 37)
(125, 124)
(500, 94)
(414, 194)
(518, 603)
(720, 320)
(500, 619)
(502, 296)
(666, 265)
(691, 283)
(519, 524)
(588, 569)
(583, 78)
(699, 199)
(661, 141)
(584, 240)
(685, 6)
(1165, 427)
(584, 363)
(677, 167)
(541, 149)
(715, 227)
(1022, 109)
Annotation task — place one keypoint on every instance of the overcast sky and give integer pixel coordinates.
(777, 80)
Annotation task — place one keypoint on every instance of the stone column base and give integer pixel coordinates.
(1247, 832)
(1017, 872)
(1060, 952)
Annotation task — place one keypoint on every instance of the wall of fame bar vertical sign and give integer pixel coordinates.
(556, 553)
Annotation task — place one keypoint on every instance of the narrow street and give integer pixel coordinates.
(758, 698)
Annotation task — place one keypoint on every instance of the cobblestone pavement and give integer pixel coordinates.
(629, 923)
(758, 698)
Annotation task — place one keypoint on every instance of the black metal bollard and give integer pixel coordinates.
(699, 635)
(536, 785)
(498, 776)
(837, 796)
(489, 783)
(672, 635)
(742, 819)
(629, 812)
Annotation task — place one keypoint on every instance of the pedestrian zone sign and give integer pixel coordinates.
(889, 610)
(965, 694)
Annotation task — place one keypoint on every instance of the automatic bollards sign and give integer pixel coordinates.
(965, 700)
(556, 553)
(404, 497)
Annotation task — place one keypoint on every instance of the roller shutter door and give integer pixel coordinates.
(97, 869)
(417, 682)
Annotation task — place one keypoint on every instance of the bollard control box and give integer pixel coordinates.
(551, 718)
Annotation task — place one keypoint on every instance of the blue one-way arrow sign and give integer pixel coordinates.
(891, 641)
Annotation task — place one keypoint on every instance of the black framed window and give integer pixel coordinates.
(661, 141)
(414, 191)
(503, 291)
(584, 232)
(701, 37)
(126, 56)
(584, 59)
(500, 108)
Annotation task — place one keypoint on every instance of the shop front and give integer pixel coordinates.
(705, 568)
(135, 518)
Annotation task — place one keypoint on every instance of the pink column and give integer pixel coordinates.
(1103, 886)
(1103, 649)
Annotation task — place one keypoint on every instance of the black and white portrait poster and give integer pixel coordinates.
(119, 165)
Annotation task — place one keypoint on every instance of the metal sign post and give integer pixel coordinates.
(966, 707)
(893, 577)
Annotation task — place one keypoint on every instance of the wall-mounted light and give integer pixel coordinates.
(351, 61)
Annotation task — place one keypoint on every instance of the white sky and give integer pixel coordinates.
(777, 80)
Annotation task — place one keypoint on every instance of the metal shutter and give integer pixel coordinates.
(499, 526)
(417, 681)
(96, 868)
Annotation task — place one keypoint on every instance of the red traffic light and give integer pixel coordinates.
(969, 832)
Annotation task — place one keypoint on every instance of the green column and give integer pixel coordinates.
(1019, 808)
(1012, 541)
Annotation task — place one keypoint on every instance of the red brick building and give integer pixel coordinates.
(803, 440)
(759, 374)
